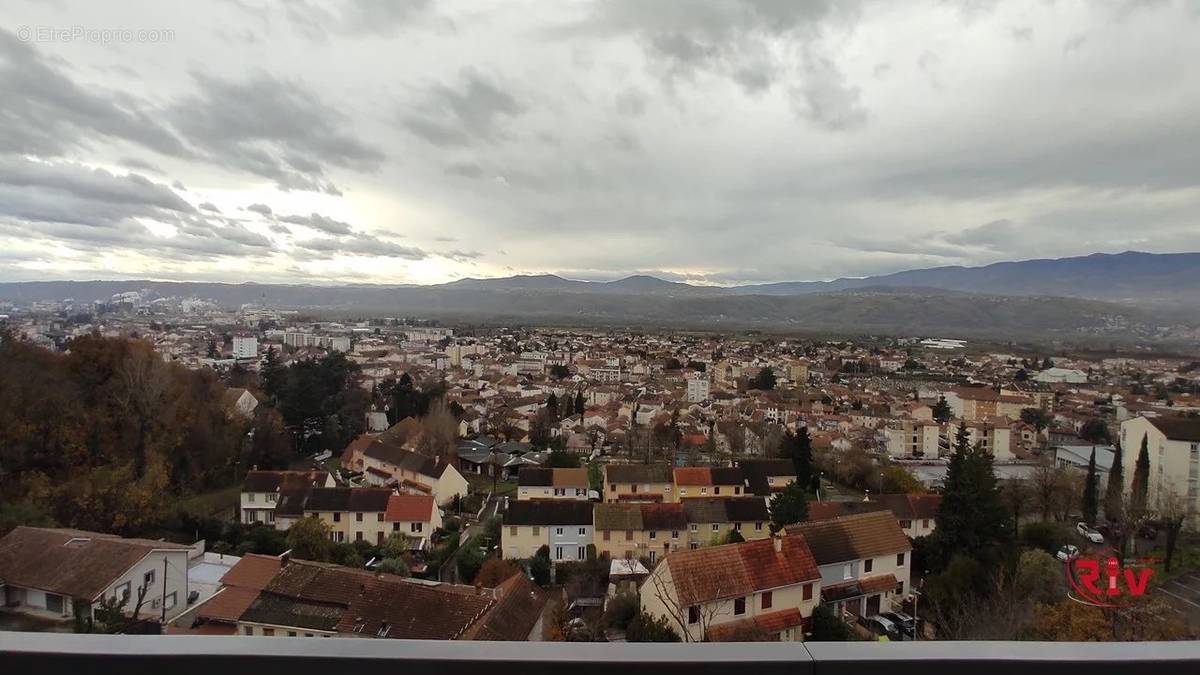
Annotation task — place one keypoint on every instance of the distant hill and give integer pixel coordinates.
(1123, 277)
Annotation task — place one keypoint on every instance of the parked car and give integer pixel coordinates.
(1089, 533)
(1067, 553)
(883, 626)
(906, 624)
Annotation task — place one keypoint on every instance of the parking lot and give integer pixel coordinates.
(1183, 594)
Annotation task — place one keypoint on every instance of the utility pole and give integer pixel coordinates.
(164, 591)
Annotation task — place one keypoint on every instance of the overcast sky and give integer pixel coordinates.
(715, 142)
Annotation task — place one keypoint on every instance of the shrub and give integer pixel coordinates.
(622, 609)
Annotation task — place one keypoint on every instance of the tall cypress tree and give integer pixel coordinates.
(1116, 486)
(1141, 477)
(802, 458)
(1090, 487)
(972, 519)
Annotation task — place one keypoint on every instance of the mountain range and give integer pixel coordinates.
(1122, 296)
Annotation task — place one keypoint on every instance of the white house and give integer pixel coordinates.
(52, 573)
(1173, 445)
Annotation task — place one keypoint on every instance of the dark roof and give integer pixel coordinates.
(637, 473)
(727, 475)
(725, 509)
(534, 476)
(865, 535)
(281, 610)
(902, 506)
(393, 452)
(74, 563)
(663, 516)
(617, 517)
(347, 499)
(758, 470)
(1178, 428)
(273, 481)
(548, 512)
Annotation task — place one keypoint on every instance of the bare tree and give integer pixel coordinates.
(1047, 484)
(1172, 510)
(677, 612)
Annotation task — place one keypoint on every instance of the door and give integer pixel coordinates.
(873, 605)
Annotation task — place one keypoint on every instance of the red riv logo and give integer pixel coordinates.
(1101, 581)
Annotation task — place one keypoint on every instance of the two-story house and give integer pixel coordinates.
(638, 483)
(755, 590)
(558, 483)
(864, 561)
(385, 462)
(711, 519)
(704, 481)
(916, 514)
(565, 526)
(633, 530)
(363, 514)
(261, 490)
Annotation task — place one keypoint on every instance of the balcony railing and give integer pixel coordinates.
(64, 654)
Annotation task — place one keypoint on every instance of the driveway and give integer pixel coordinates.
(1183, 595)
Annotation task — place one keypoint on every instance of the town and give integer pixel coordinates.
(278, 474)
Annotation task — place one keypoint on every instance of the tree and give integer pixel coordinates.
(559, 371)
(1039, 577)
(789, 506)
(802, 457)
(764, 380)
(1173, 511)
(308, 538)
(1091, 487)
(1035, 417)
(561, 459)
(828, 627)
(1114, 490)
(621, 609)
(645, 628)
(1048, 482)
(496, 571)
(539, 566)
(393, 566)
(1141, 478)
(470, 561)
(898, 480)
(552, 407)
(1047, 363)
(941, 411)
(734, 537)
(579, 403)
(1094, 431)
(972, 517)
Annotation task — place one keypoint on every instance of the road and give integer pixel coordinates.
(449, 571)
(1183, 594)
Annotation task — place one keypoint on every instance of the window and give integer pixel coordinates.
(170, 601)
(653, 557)
(899, 560)
(694, 545)
(612, 487)
(291, 633)
(358, 536)
(558, 553)
(607, 535)
(716, 527)
(396, 528)
(693, 614)
(925, 522)
(758, 527)
(558, 531)
(674, 534)
(581, 553)
(148, 579)
(250, 498)
(582, 531)
(416, 527)
(653, 535)
(269, 632)
(628, 535)
(337, 517)
(270, 516)
(767, 599)
(739, 606)
(867, 565)
(737, 490)
(358, 517)
(339, 537)
(308, 635)
(737, 526)
(512, 531)
(807, 594)
(693, 527)
(716, 490)
(271, 497)
(54, 603)
(537, 531)
(847, 571)
(703, 490)
(905, 524)
(379, 517)
(247, 630)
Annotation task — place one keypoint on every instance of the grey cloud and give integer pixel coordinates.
(273, 128)
(319, 222)
(355, 17)
(459, 255)
(139, 165)
(280, 229)
(631, 102)
(994, 234)
(826, 100)
(208, 206)
(261, 209)
(472, 110)
(76, 180)
(46, 113)
(360, 245)
(466, 170)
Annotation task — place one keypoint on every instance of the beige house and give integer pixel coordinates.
(564, 526)
(864, 561)
(1173, 448)
(704, 481)
(759, 590)
(638, 483)
(535, 482)
(635, 531)
(364, 514)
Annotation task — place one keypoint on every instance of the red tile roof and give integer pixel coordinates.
(253, 571)
(715, 572)
(409, 508)
(767, 625)
(864, 535)
(696, 475)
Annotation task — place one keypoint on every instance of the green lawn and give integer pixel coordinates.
(483, 485)
(215, 503)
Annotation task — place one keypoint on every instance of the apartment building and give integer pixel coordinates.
(1173, 445)
(914, 438)
(994, 435)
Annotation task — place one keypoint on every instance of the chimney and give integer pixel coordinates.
(777, 540)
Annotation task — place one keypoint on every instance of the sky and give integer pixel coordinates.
(719, 142)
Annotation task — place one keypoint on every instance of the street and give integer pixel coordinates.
(1183, 595)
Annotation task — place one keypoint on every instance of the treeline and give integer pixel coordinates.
(103, 436)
